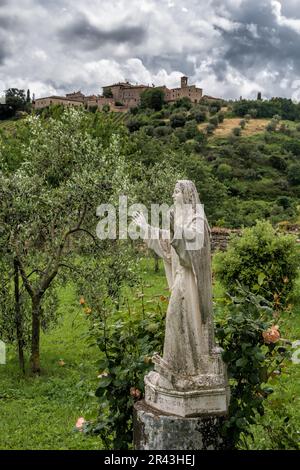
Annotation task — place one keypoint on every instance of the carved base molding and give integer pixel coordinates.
(184, 395)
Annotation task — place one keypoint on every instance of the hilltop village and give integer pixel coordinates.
(122, 96)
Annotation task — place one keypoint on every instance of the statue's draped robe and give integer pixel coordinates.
(189, 328)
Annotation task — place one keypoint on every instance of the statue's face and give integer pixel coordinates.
(177, 195)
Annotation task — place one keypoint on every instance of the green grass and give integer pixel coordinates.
(40, 412)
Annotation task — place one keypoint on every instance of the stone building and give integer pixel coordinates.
(130, 95)
(185, 91)
(126, 93)
(50, 100)
(76, 96)
(124, 96)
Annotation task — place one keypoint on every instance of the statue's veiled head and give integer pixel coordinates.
(185, 192)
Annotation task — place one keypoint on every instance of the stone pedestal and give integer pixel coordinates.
(188, 396)
(154, 430)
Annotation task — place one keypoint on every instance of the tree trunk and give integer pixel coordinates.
(35, 336)
(18, 318)
(156, 263)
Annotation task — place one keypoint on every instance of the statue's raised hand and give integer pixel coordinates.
(139, 219)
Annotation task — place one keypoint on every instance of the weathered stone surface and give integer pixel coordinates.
(183, 395)
(190, 379)
(154, 430)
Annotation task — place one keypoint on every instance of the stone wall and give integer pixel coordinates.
(220, 236)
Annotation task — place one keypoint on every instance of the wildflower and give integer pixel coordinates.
(80, 423)
(103, 374)
(82, 301)
(88, 310)
(271, 335)
(135, 393)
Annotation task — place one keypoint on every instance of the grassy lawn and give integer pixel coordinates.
(40, 413)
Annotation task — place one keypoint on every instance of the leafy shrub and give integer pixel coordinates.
(180, 134)
(284, 129)
(210, 129)
(251, 358)
(127, 340)
(236, 131)
(177, 120)
(284, 201)
(243, 124)
(253, 113)
(278, 162)
(153, 99)
(221, 117)
(261, 259)
(162, 131)
(184, 102)
(224, 171)
(293, 146)
(149, 130)
(198, 115)
(294, 174)
(272, 126)
(135, 123)
(215, 106)
(214, 121)
(191, 129)
(93, 109)
(200, 138)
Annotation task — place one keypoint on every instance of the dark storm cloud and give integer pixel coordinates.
(9, 22)
(168, 62)
(2, 55)
(258, 41)
(88, 36)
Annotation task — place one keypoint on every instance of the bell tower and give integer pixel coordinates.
(184, 82)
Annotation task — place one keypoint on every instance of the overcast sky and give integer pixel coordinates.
(228, 47)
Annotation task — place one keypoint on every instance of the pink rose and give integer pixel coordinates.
(271, 335)
(79, 423)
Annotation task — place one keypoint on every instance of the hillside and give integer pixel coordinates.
(241, 176)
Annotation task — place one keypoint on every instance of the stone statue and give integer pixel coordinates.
(190, 379)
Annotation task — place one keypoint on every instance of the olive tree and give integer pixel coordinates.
(47, 207)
